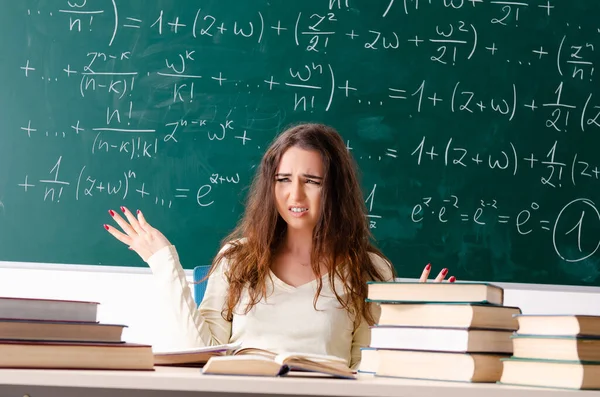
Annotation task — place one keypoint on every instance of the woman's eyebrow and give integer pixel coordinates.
(281, 175)
(312, 176)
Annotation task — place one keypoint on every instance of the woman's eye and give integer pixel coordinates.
(282, 180)
(312, 181)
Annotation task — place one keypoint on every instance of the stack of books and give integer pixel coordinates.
(439, 331)
(560, 351)
(50, 333)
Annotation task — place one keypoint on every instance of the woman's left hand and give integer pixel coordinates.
(440, 277)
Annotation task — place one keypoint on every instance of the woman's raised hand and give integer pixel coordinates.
(139, 235)
(440, 277)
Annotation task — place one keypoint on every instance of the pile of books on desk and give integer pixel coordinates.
(439, 331)
(49, 333)
(561, 351)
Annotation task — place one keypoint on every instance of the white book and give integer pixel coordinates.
(442, 339)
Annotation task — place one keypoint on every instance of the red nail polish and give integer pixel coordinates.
(444, 271)
(106, 227)
(452, 279)
(428, 267)
(111, 212)
(138, 211)
(123, 209)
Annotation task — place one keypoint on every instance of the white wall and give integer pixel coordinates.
(127, 295)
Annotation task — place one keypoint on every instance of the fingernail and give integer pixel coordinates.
(444, 271)
(130, 248)
(428, 267)
(106, 227)
(452, 279)
(122, 208)
(111, 212)
(138, 211)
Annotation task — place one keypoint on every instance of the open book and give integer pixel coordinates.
(234, 360)
(250, 361)
(193, 357)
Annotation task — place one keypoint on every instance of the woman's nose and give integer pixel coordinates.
(297, 191)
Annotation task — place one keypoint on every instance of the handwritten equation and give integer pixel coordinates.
(52, 185)
(310, 90)
(574, 220)
(573, 170)
(144, 142)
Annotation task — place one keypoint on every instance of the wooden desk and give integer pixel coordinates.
(188, 382)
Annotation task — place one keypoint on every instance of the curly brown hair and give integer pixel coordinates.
(341, 238)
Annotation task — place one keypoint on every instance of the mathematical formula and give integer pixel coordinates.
(525, 222)
(53, 187)
(555, 172)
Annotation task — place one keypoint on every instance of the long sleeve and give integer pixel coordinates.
(361, 338)
(362, 334)
(190, 326)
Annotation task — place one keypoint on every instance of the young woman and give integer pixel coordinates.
(293, 275)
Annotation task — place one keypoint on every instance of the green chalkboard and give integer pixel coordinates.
(475, 124)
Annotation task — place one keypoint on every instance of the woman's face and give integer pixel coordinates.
(298, 186)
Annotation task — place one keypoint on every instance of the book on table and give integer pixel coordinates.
(451, 354)
(435, 365)
(551, 373)
(259, 362)
(440, 331)
(557, 351)
(64, 334)
(79, 355)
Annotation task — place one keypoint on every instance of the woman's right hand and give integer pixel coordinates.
(139, 235)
